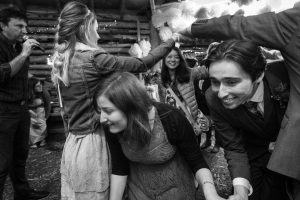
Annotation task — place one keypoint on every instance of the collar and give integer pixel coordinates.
(258, 96)
(81, 46)
(4, 39)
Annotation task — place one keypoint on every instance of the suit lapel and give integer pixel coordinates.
(268, 103)
(246, 120)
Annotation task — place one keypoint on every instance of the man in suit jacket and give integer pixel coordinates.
(238, 78)
(276, 31)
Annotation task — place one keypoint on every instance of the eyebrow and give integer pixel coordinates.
(226, 78)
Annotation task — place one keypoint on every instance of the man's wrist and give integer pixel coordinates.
(24, 55)
(241, 183)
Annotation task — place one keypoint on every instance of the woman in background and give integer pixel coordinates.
(179, 77)
(153, 146)
(79, 66)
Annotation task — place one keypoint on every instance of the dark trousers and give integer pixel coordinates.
(267, 185)
(293, 189)
(14, 138)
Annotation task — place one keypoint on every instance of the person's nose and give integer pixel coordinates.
(223, 91)
(103, 117)
(24, 30)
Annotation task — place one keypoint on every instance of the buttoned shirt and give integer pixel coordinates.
(12, 89)
(258, 97)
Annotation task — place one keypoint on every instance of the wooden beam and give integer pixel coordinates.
(58, 5)
(138, 29)
(122, 8)
(92, 5)
(152, 6)
(20, 5)
(154, 38)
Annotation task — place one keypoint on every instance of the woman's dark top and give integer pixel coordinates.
(179, 133)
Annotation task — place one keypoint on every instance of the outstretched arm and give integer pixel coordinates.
(273, 30)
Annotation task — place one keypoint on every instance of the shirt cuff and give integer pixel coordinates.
(243, 182)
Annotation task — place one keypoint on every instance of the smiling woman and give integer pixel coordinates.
(152, 145)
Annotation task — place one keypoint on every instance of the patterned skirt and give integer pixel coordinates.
(85, 167)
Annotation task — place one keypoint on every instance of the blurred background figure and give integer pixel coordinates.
(39, 109)
(178, 80)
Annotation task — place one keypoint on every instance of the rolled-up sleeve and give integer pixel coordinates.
(5, 71)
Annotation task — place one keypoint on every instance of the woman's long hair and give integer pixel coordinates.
(182, 73)
(74, 25)
(129, 95)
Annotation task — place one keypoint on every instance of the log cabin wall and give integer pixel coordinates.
(117, 31)
(119, 28)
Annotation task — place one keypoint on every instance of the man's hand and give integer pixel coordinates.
(27, 47)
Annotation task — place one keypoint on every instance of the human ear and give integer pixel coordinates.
(2, 25)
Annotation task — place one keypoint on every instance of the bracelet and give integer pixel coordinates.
(204, 182)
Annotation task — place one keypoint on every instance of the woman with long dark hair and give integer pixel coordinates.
(153, 146)
(178, 78)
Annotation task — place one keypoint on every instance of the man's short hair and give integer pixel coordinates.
(7, 14)
(245, 53)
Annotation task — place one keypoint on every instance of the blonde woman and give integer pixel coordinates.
(79, 66)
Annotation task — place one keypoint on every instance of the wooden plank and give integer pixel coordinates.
(52, 30)
(104, 37)
(40, 67)
(37, 52)
(40, 73)
(113, 24)
(38, 59)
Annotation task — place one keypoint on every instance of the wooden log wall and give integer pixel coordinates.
(117, 32)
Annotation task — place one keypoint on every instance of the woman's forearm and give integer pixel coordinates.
(117, 187)
(205, 179)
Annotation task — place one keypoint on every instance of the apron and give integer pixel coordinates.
(158, 171)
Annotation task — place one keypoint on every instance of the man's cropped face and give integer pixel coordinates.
(14, 30)
(232, 84)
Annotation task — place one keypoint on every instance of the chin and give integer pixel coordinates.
(114, 130)
(230, 106)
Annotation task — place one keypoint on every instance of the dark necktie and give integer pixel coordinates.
(252, 107)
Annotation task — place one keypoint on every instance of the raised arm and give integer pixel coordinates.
(106, 62)
(268, 29)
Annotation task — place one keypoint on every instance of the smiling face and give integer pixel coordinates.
(172, 60)
(14, 30)
(111, 116)
(232, 84)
